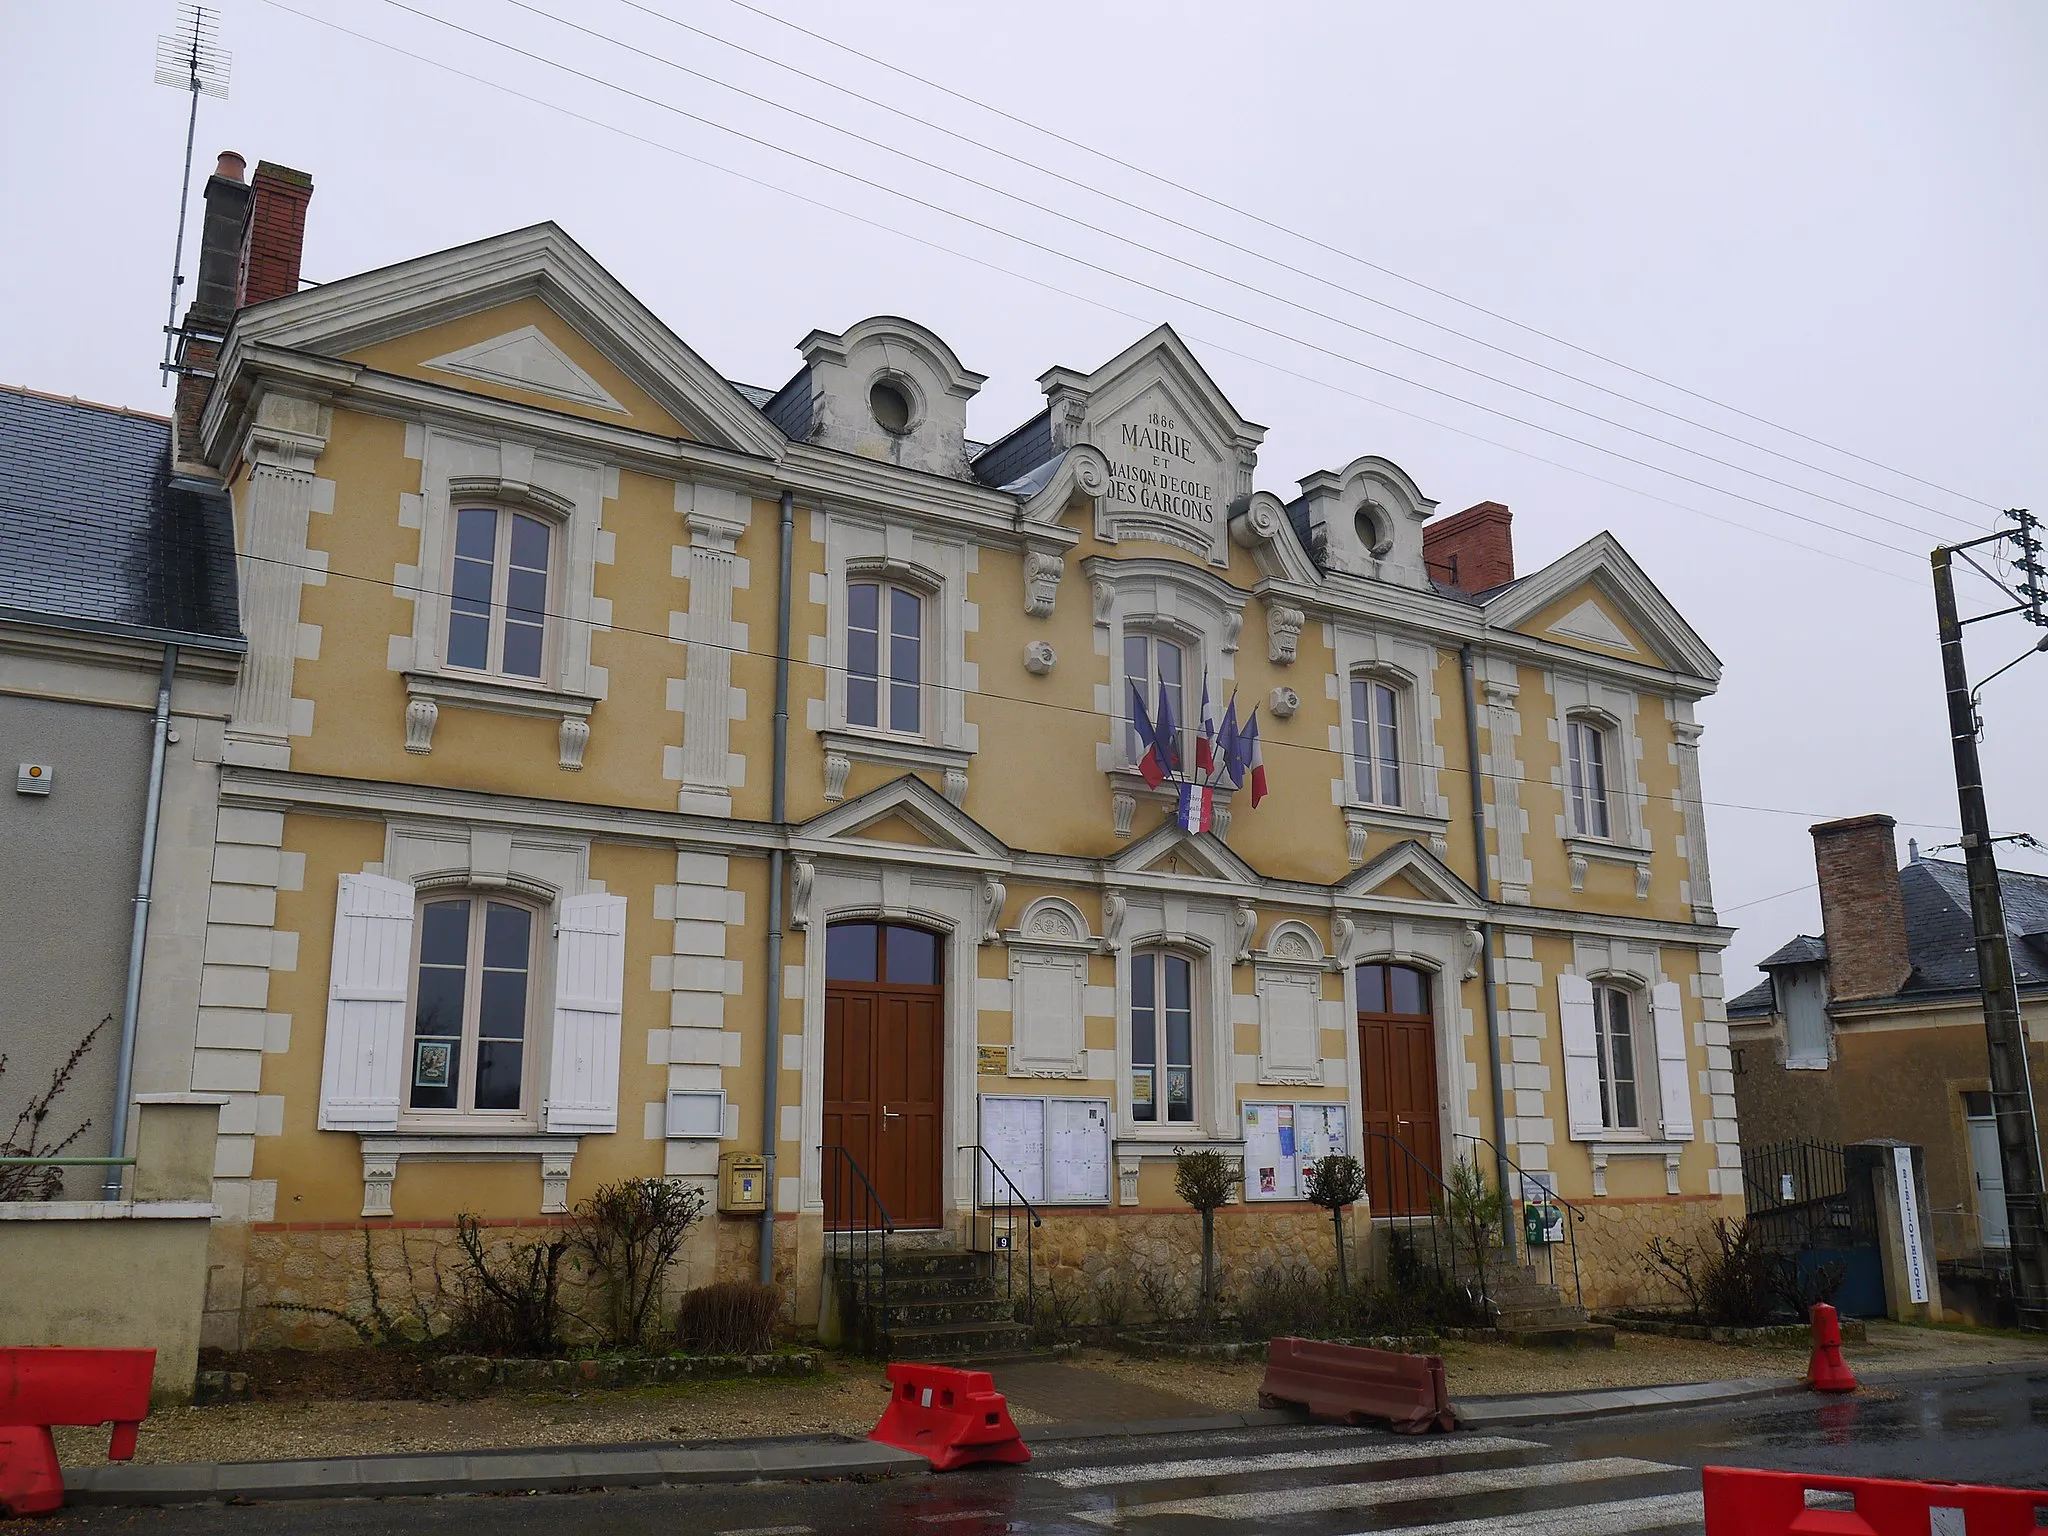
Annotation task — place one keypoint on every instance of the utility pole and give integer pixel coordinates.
(2012, 1096)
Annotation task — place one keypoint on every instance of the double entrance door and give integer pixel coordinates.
(884, 1070)
(1402, 1154)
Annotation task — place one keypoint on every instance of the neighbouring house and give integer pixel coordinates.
(1874, 1029)
(116, 578)
(496, 909)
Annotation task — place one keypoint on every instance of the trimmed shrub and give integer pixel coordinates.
(732, 1317)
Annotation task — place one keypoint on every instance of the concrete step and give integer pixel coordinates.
(1510, 1318)
(946, 1311)
(963, 1341)
(1562, 1336)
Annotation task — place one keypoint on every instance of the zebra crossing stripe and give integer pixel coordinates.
(1361, 1454)
(1272, 1503)
(1623, 1517)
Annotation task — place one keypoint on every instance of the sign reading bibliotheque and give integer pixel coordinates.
(1054, 1149)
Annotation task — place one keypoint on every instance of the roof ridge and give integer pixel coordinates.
(95, 405)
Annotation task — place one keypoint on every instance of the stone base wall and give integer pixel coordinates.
(1614, 1241)
(1100, 1256)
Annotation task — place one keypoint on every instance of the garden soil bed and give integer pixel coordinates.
(478, 1375)
(1156, 1346)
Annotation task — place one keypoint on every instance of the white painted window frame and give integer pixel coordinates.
(1181, 604)
(1410, 667)
(1206, 932)
(505, 509)
(539, 984)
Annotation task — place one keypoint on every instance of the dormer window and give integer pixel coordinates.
(885, 657)
(890, 402)
(498, 592)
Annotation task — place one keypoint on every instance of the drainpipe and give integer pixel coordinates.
(1483, 871)
(138, 933)
(771, 1064)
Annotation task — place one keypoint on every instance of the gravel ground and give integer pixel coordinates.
(846, 1398)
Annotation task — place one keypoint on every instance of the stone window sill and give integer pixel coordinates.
(382, 1153)
(1620, 1145)
(846, 746)
(1128, 789)
(428, 693)
(1579, 851)
(1361, 821)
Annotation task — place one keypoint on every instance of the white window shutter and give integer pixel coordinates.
(1674, 1078)
(1581, 1058)
(590, 988)
(363, 1064)
(1290, 1035)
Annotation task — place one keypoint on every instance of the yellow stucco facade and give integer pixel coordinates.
(619, 792)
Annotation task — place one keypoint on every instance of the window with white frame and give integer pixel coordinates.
(1155, 666)
(498, 592)
(1614, 1016)
(1162, 1038)
(1376, 775)
(1586, 777)
(473, 999)
(885, 627)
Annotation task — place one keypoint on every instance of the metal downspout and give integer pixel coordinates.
(138, 933)
(771, 1039)
(1484, 872)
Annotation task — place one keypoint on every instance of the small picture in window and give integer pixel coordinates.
(1269, 1183)
(1180, 1085)
(1141, 1086)
(431, 1063)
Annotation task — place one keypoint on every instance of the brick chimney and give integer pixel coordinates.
(214, 296)
(1473, 550)
(276, 233)
(1862, 911)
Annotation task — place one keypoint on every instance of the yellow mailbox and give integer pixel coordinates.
(742, 1182)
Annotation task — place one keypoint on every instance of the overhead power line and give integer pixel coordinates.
(1309, 310)
(417, 589)
(897, 231)
(1112, 273)
(1292, 233)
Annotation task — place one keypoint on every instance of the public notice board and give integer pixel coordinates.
(1055, 1149)
(1280, 1140)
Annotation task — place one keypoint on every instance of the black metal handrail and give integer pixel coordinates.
(1442, 1232)
(863, 1239)
(1010, 1198)
(1508, 1203)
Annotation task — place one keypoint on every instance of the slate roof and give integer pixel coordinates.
(1936, 895)
(94, 532)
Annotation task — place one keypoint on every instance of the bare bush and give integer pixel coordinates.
(731, 1317)
(27, 1138)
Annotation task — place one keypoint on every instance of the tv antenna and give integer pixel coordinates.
(189, 59)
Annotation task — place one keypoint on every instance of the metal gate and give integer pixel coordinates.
(1808, 1202)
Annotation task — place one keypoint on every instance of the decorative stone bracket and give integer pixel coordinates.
(1043, 569)
(428, 692)
(1600, 1152)
(1283, 633)
(382, 1155)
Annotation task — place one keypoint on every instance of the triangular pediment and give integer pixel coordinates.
(905, 812)
(1597, 592)
(360, 317)
(1409, 872)
(1169, 850)
(526, 359)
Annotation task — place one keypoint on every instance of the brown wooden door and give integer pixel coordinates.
(884, 1070)
(1397, 1057)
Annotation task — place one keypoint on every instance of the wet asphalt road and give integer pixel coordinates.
(1596, 1479)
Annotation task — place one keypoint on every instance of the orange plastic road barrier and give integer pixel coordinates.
(44, 1386)
(1337, 1381)
(1827, 1371)
(951, 1418)
(1745, 1503)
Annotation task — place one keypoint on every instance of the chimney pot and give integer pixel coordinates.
(1863, 911)
(231, 165)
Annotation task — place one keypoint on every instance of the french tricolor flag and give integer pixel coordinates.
(1255, 759)
(1197, 810)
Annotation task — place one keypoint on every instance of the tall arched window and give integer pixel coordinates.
(1376, 776)
(1586, 758)
(885, 657)
(472, 1005)
(1162, 1037)
(498, 592)
(1614, 1019)
(1155, 667)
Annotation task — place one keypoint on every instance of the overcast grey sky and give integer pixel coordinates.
(1830, 216)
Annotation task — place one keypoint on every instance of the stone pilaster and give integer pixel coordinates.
(283, 447)
(715, 521)
(1685, 752)
(1504, 778)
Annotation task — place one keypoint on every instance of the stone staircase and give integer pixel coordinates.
(944, 1303)
(1529, 1310)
